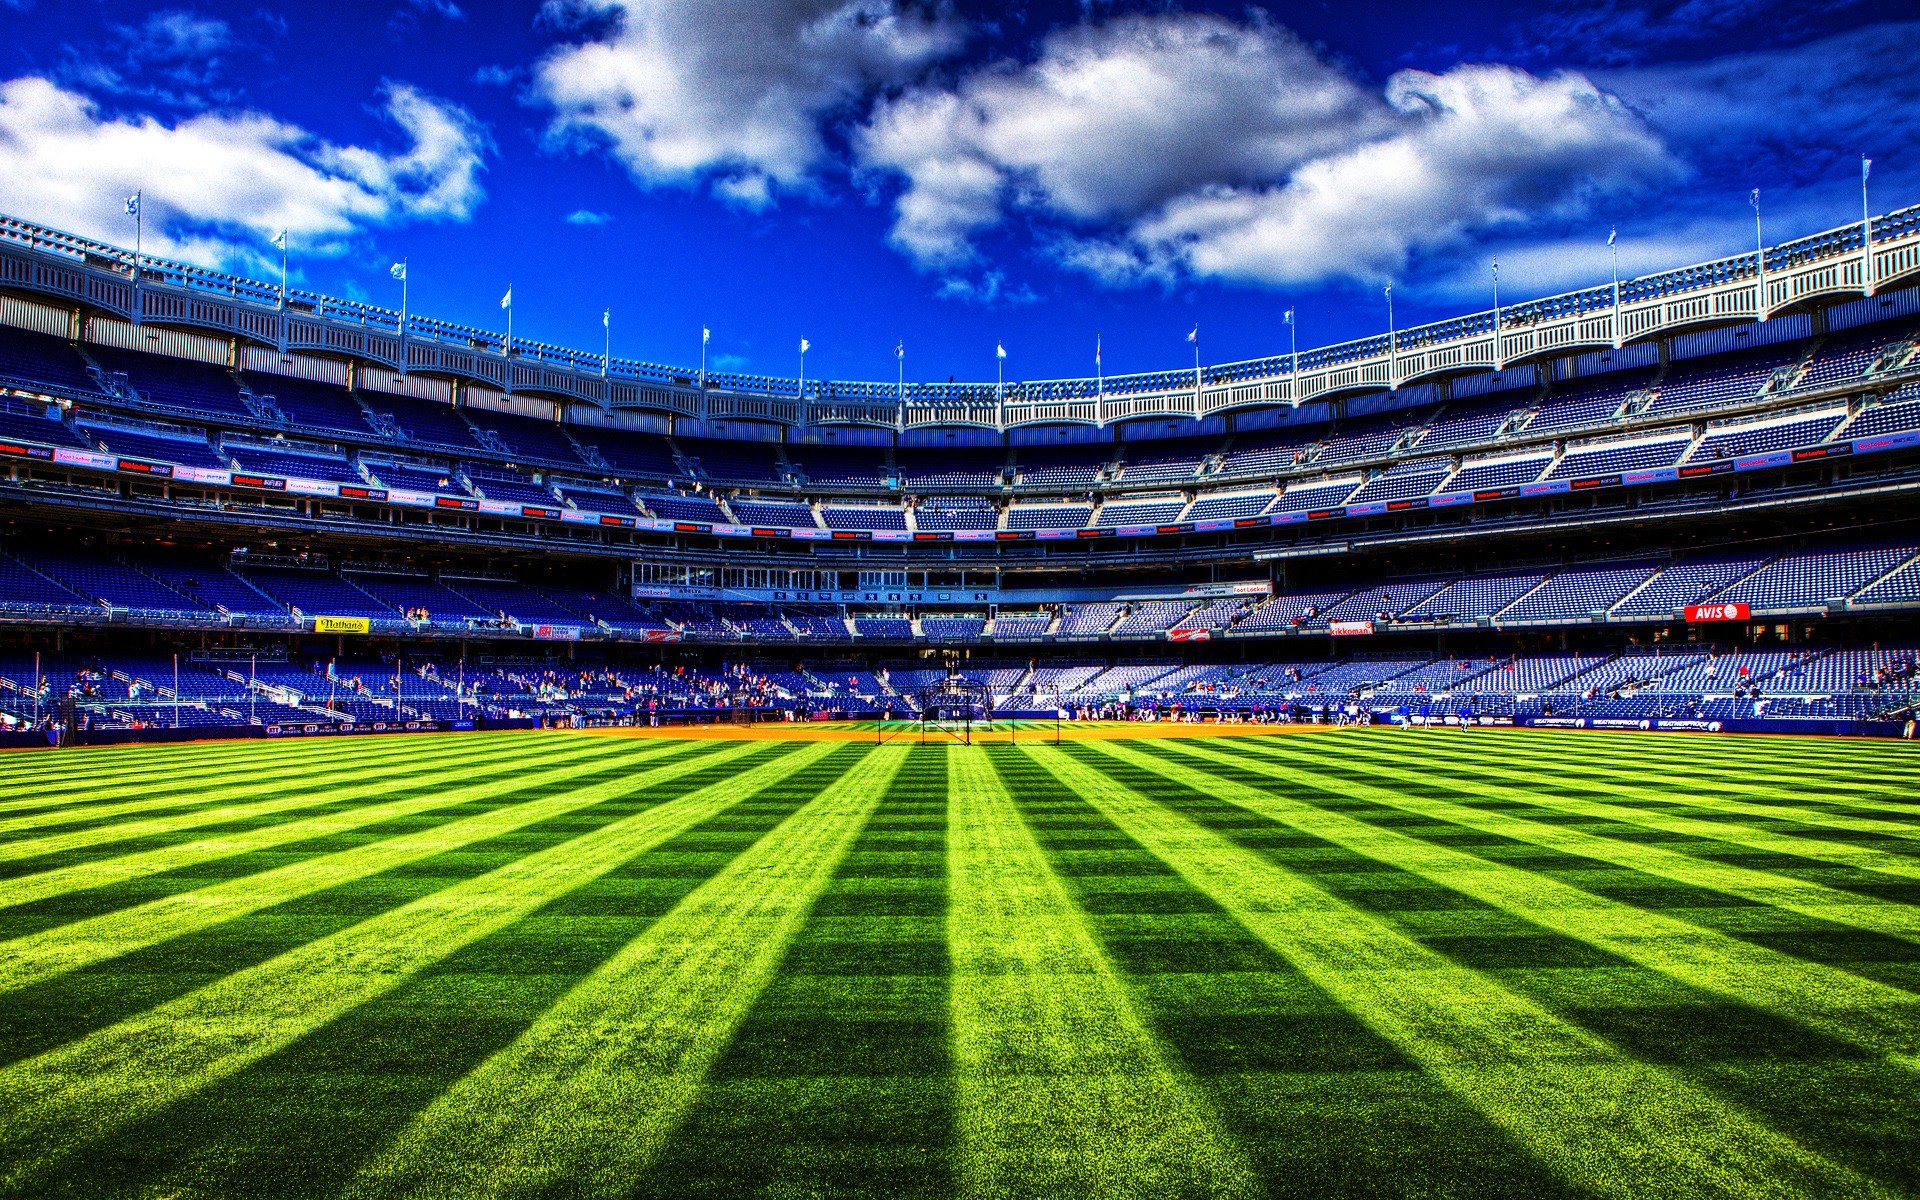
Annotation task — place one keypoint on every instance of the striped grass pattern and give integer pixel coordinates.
(1365, 963)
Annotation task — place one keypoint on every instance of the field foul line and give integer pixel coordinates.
(1606, 1123)
(587, 1097)
(1875, 1016)
(53, 1104)
(504, 776)
(1063, 1089)
(55, 951)
(295, 799)
(1782, 891)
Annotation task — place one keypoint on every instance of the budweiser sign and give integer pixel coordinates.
(1718, 612)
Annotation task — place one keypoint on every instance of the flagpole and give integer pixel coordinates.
(1099, 372)
(1759, 259)
(1393, 342)
(1613, 237)
(284, 240)
(1196, 370)
(1293, 339)
(1499, 363)
(1866, 228)
(802, 393)
(606, 331)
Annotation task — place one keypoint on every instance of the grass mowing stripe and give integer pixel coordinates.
(51, 1105)
(1734, 760)
(291, 799)
(82, 943)
(202, 846)
(72, 1005)
(1892, 819)
(1610, 1125)
(1063, 1091)
(1868, 912)
(1827, 1095)
(1323, 1105)
(838, 1081)
(1866, 845)
(114, 798)
(301, 1121)
(1882, 1019)
(186, 775)
(61, 773)
(588, 1095)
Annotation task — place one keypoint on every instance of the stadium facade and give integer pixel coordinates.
(1682, 500)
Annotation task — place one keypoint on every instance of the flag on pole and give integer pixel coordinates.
(900, 350)
(706, 335)
(1496, 269)
(805, 345)
(1866, 169)
(1754, 199)
(1096, 350)
(280, 239)
(133, 205)
(1613, 233)
(1287, 316)
(1194, 337)
(606, 318)
(506, 301)
(398, 271)
(999, 350)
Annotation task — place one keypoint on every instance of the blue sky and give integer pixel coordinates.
(953, 176)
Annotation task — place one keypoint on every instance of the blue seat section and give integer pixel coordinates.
(106, 580)
(1480, 476)
(1403, 480)
(684, 508)
(860, 466)
(1627, 454)
(1724, 379)
(25, 590)
(1168, 462)
(1048, 516)
(424, 422)
(525, 437)
(197, 388)
(1148, 512)
(310, 404)
(1578, 593)
(188, 451)
(1214, 508)
(320, 593)
(735, 462)
(863, 517)
(1736, 440)
(298, 466)
(773, 513)
(30, 421)
(1808, 580)
(515, 489)
(1065, 466)
(630, 455)
(1688, 582)
(951, 467)
(30, 358)
(955, 512)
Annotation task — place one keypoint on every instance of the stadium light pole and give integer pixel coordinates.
(1866, 229)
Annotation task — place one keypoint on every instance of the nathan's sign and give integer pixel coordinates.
(1718, 612)
(342, 625)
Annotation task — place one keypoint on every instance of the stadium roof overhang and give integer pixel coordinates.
(1810, 273)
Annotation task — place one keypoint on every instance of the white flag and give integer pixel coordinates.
(1096, 350)
(398, 271)
(1755, 199)
(805, 345)
(133, 205)
(280, 239)
(1194, 337)
(999, 351)
(706, 335)
(1496, 270)
(506, 301)
(1288, 316)
(1866, 169)
(900, 350)
(1613, 233)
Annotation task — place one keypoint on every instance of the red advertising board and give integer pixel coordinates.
(1718, 612)
(1349, 628)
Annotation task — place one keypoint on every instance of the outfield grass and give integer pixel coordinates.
(1350, 963)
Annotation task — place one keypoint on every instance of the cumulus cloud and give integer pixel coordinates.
(586, 216)
(218, 182)
(681, 91)
(1179, 146)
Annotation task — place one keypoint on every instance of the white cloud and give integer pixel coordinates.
(216, 183)
(684, 90)
(586, 216)
(1172, 146)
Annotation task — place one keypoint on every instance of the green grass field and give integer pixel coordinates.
(1360, 963)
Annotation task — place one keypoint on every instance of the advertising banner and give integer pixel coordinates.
(342, 625)
(1349, 628)
(1718, 612)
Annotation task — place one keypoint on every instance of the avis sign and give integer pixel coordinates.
(1718, 612)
